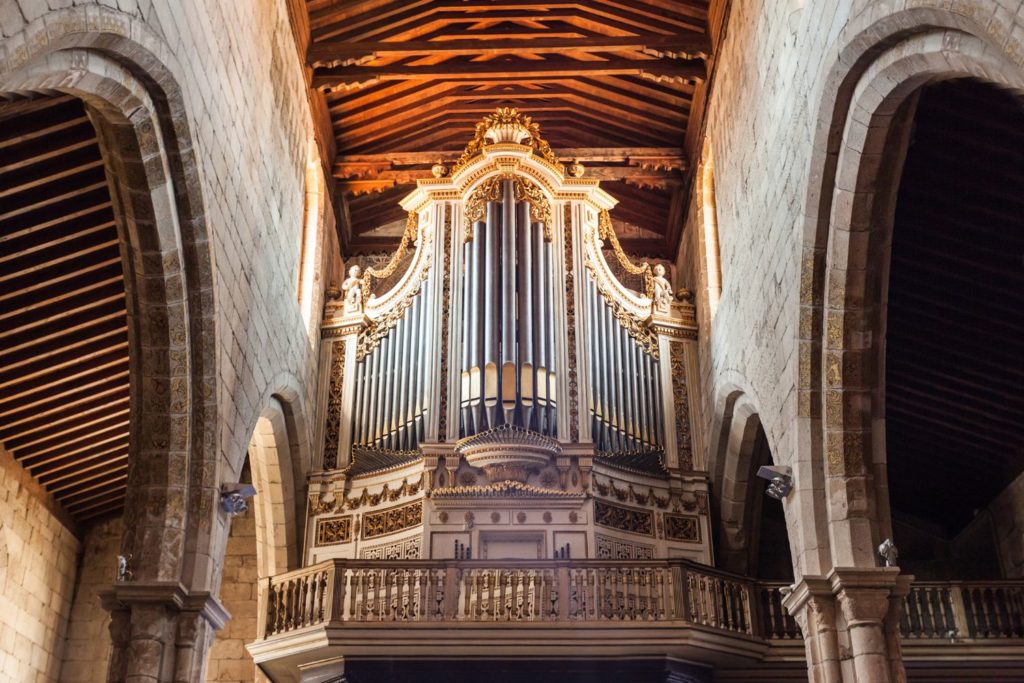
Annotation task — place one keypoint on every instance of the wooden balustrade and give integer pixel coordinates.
(343, 591)
(775, 623)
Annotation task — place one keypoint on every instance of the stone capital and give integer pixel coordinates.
(171, 595)
(864, 593)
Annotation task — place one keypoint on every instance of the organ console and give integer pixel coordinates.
(507, 367)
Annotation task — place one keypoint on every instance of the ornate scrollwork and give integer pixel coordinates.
(524, 191)
(570, 315)
(681, 403)
(334, 530)
(605, 231)
(682, 528)
(408, 239)
(624, 519)
(392, 520)
(442, 427)
(332, 429)
(506, 123)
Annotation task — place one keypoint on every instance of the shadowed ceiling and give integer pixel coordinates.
(614, 84)
(955, 338)
(64, 386)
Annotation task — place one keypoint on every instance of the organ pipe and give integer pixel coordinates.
(625, 388)
(509, 307)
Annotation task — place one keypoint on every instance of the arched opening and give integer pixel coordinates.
(228, 660)
(65, 376)
(952, 317)
(263, 541)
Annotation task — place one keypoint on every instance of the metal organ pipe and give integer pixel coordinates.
(525, 310)
(492, 316)
(507, 309)
(625, 397)
(508, 301)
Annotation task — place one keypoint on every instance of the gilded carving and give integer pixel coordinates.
(506, 117)
(334, 530)
(392, 520)
(682, 528)
(332, 430)
(681, 403)
(523, 190)
(570, 315)
(446, 292)
(624, 519)
(606, 232)
(408, 238)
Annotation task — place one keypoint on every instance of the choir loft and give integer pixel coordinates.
(646, 340)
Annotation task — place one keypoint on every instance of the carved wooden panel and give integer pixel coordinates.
(392, 520)
(624, 519)
(334, 530)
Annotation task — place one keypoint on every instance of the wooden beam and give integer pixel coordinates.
(359, 165)
(346, 53)
(676, 71)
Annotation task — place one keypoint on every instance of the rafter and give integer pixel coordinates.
(343, 53)
(660, 70)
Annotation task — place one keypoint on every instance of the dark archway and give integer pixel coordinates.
(953, 323)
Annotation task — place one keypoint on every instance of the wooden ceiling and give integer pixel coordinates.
(64, 386)
(955, 338)
(615, 84)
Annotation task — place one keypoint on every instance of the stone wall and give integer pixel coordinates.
(88, 641)
(1007, 513)
(38, 554)
(228, 660)
(774, 91)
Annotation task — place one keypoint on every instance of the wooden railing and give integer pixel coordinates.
(475, 591)
(975, 610)
(342, 591)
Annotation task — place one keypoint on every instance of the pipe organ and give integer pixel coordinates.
(505, 394)
(508, 369)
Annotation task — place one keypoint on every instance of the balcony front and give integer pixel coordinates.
(661, 611)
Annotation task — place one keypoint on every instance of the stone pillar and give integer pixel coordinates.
(160, 633)
(813, 606)
(850, 621)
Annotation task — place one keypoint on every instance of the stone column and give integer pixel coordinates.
(160, 632)
(813, 606)
(866, 597)
(850, 621)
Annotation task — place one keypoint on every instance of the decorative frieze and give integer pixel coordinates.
(334, 530)
(624, 519)
(324, 504)
(392, 520)
(682, 528)
(609, 548)
(406, 549)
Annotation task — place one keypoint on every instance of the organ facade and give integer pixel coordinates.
(510, 385)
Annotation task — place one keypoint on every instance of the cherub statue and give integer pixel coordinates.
(662, 290)
(352, 289)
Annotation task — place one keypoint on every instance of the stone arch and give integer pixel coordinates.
(127, 77)
(277, 455)
(124, 73)
(735, 432)
(867, 100)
